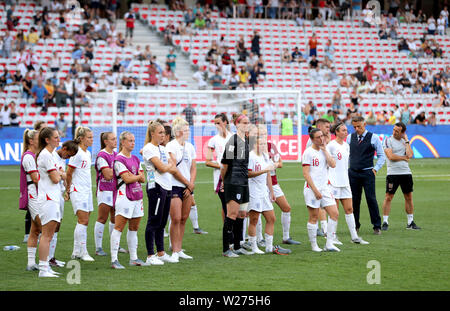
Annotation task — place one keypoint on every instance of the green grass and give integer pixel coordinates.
(409, 260)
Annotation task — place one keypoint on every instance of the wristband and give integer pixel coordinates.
(407, 142)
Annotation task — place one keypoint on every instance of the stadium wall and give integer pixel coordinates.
(426, 141)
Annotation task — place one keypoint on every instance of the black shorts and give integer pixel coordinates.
(404, 181)
(239, 194)
(177, 192)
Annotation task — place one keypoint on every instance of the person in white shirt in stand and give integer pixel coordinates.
(79, 189)
(268, 111)
(338, 177)
(183, 154)
(199, 76)
(316, 161)
(48, 196)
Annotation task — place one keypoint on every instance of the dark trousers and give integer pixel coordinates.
(158, 213)
(27, 222)
(359, 180)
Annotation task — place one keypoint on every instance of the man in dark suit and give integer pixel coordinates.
(362, 172)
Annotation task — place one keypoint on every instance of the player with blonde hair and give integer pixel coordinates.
(128, 203)
(183, 154)
(79, 188)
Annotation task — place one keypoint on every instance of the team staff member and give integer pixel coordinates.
(79, 188)
(159, 192)
(362, 172)
(398, 152)
(316, 161)
(338, 177)
(48, 196)
(217, 145)
(234, 173)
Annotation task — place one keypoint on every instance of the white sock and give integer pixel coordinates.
(350, 219)
(115, 242)
(312, 234)
(31, 255)
(193, 215)
(410, 218)
(98, 234)
(76, 240)
(111, 228)
(52, 248)
(286, 224)
(82, 238)
(43, 265)
(385, 219)
(331, 232)
(132, 241)
(252, 241)
(324, 225)
(269, 242)
(259, 235)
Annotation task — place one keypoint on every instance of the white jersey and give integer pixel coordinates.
(61, 163)
(217, 143)
(338, 176)
(184, 155)
(81, 180)
(163, 179)
(29, 165)
(258, 185)
(47, 189)
(318, 167)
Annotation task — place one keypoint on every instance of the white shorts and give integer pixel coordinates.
(105, 197)
(81, 202)
(277, 191)
(341, 192)
(260, 204)
(33, 208)
(311, 200)
(129, 209)
(49, 211)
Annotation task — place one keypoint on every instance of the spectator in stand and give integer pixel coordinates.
(153, 74)
(258, 8)
(443, 102)
(189, 114)
(40, 95)
(421, 17)
(189, 17)
(7, 45)
(273, 6)
(243, 76)
(313, 63)
(169, 31)
(370, 119)
(406, 116)
(299, 19)
(226, 57)
(129, 18)
(216, 80)
(171, 59)
(198, 8)
(167, 75)
(121, 41)
(61, 94)
(329, 50)
(420, 118)
(336, 101)
(286, 57)
(200, 77)
(255, 48)
(441, 25)
(432, 119)
(431, 25)
(61, 125)
(312, 44)
(241, 50)
(393, 33)
(5, 112)
(199, 22)
(318, 21)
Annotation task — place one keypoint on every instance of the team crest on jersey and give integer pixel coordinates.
(238, 196)
(231, 148)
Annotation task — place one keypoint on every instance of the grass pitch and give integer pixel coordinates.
(408, 260)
